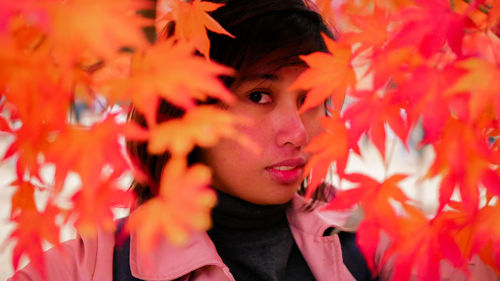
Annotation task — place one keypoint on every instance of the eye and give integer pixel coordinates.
(260, 97)
(302, 100)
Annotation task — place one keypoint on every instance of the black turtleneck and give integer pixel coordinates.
(255, 242)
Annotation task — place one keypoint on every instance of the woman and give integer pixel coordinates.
(261, 228)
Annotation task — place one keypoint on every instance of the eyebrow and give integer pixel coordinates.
(260, 76)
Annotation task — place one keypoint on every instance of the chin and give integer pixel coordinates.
(274, 199)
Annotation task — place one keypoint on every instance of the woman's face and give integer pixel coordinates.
(274, 174)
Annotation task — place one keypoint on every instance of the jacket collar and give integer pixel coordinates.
(169, 262)
(317, 221)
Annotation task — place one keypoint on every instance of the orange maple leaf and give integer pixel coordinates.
(487, 236)
(24, 197)
(32, 228)
(92, 205)
(41, 107)
(37, 96)
(422, 244)
(476, 233)
(171, 71)
(328, 75)
(202, 126)
(88, 150)
(326, 11)
(481, 80)
(182, 206)
(192, 21)
(331, 146)
(393, 65)
(373, 30)
(101, 27)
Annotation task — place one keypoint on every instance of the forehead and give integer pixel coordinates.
(277, 81)
(269, 70)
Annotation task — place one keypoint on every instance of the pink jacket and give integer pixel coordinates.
(84, 259)
(92, 259)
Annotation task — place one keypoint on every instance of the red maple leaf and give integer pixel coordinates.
(463, 158)
(369, 115)
(423, 92)
(429, 26)
(375, 199)
(370, 193)
(32, 228)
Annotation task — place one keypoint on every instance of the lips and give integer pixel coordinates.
(288, 171)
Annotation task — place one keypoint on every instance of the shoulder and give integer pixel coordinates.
(83, 258)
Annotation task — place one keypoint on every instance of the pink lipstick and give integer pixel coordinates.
(287, 171)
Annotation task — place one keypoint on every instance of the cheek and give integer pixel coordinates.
(312, 125)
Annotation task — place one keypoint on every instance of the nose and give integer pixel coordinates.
(290, 128)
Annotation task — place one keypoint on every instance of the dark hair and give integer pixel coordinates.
(272, 33)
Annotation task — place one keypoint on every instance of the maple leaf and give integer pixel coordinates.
(366, 6)
(372, 194)
(202, 126)
(393, 65)
(23, 198)
(429, 26)
(41, 108)
(92, 205)
(99, 26)
(192, 21)
(328, 75)
(422, 245)
(37, 99)
(463, 158)
(326, 11)
(475, 234)
(182, 206)
(171, 71)
(484, 45)
(370, 113)
(333, 145)
(425, 90)
(481, 80)
(374, 197)
(88, 150)
(487, 234)
(32, 228)
(373, 30)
